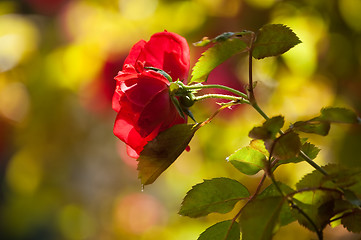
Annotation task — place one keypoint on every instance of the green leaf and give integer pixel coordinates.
(226, 230)
(214, 56)
(338, 177)
(319, 195)
(312, 126)
(352, 221)
(307, 148)
(273, 40)
(162, 151)
(215, 195)
(321, 125)
(269, 129)
(286, 146)
(247, 160)
(317, 204)
(258, 145)
(286, 216)
(338, 115)
(260, 218)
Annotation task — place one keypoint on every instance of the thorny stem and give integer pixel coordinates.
(200, 86)
(222, 96)
(251, 97)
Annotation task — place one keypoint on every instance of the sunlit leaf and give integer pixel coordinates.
(214, 56)
(247, 160)
(214, 195)
(338, 115)
(352, 221)
(273, 40)
(260, 218)
(226, 230)
(269, 128)
(286, 146)
(258, 145)
(162, 151)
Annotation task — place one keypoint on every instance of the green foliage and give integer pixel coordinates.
(338, 177)
(321, 125)
(286, 215)
(226, 230)
(313, 126)
(248, 160)
(352, 221)
(308, 148)
(162, 151)
(318, 205)
(259, 146)
(269, 129)
(338, 115)
(214, 56)
(259, 218)
(215, 195)
(285, 147)
(273, 40)
(319, 196)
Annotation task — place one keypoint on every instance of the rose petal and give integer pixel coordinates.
(154, 113)
(141, 90)
(131, 152)
(134, 53)
(116, 98)
(127, 133)
(169, 52)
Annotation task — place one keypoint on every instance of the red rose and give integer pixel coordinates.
(141, 97)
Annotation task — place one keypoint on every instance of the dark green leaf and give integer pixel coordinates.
(320, 195)
(260, 218)
(215, 195)
(162, 151)
(273, 40)
(338, 177)
(286, 146)
(313, 126)
(226, 230)
(247, 160)
(307, 148)
(214, 56)
(352, 198)
(338, 115)
(353, 221)
(269, 129)
(314, 179)
(286, 216)
(318, 205)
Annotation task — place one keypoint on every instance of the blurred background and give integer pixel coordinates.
(63, 174)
